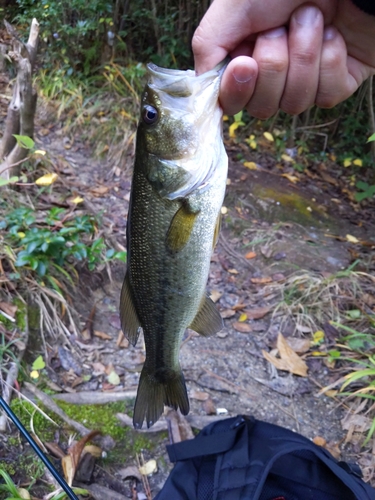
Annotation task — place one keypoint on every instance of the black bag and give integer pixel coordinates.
(242, 458)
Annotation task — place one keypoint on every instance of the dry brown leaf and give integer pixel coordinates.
(100, 190)
(359, 423)
(71, 461)
(209, 407)
(261, 281)
(68, 469)
(239, 307)
(9, 309)
(257, 312)
(289, 360)
(122, 341)
(232, 271)
(242, 327)
(319, 441)
(199, 395)
(102, 335)
(299, 345)
(95, 451)
(250, 255)
(227, 313)
(215, 295)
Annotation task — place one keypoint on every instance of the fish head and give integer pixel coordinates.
(180, 128)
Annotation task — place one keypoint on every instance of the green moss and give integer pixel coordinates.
(33, 316)
(42, 426)
(21, 314)
(8, 467)
(98, 417)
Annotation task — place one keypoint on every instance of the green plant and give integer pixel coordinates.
(58, 242)
(11, 489)
(75, 31)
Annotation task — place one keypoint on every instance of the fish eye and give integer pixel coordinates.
(150, 114)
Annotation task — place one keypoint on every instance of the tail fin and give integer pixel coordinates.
(152, 395)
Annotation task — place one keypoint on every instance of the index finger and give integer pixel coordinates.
(227, 23)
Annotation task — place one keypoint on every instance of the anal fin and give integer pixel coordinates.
(129, 319)
(208, 320)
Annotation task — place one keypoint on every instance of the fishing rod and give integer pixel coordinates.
(64, 485)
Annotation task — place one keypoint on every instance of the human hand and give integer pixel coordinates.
(327, 51)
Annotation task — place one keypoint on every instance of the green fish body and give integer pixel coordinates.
(178, 188)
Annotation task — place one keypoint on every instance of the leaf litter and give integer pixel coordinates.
(246, 278)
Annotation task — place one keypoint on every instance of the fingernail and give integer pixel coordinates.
(242, 74)
(307, 15)
(275, 33)
(329, 33)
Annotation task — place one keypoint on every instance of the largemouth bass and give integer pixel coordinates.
(177, 191)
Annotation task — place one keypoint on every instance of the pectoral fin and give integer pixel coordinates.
(208, 320)
(180, 229)
(129, 319)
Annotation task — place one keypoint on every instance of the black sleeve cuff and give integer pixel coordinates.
(367, 6)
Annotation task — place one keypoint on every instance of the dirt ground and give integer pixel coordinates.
(289, 228)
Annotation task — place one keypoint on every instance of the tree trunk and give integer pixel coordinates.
(21, 110)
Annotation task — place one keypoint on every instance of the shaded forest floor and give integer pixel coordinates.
(279, 268)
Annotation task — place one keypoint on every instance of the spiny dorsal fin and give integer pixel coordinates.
(180, 229)
(208, 320)
(129, 319)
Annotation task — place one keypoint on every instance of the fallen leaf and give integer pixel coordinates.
(113, 378)
(199, 395)
(287, 158)
(215, 295)
(99, 190)
(24, 494)
(77, 200)
(233, 127)
(299, 345)
(102, 335)
(227, 313)
(352, 239)
(250, 164)
(9, 309)
(242, 318)
(292, 178)
(318, 337)
(122, 341)
(209, 407)
(95, 451)
(38, 364)
(319, 441)
(250, 255)
(289, 360)
(261, 281)
(358, 162)
(257, 312)
(148, 468)
(68, 469)
(232, 271)
(347, 162)
(242, 327)
(47, 180)
(268, 136)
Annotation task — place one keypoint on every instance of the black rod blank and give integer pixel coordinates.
(64, 485)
